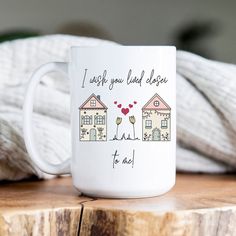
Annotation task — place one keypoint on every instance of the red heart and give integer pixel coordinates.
(135, 102)
(130, 105)
(119, 105)
(125, 111)
(115, 102)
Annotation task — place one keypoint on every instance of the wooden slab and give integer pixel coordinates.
(197, 205)
(37, 208)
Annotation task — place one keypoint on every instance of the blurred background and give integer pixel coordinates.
(206, 27)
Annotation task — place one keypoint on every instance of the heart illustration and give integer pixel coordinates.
(135, 102)
(115, 102)
(130, 105)
(125, 111)
(119, 106)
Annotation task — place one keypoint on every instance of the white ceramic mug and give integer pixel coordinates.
(123, 120)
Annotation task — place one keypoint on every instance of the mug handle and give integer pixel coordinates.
(54, 169)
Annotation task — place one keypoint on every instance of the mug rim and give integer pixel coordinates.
(123, 46)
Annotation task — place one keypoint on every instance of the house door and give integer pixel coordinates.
(156, 136)
(92, 135)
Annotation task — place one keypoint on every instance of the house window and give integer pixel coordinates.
(164, 124)
(156, 103)
(86, 120)
(99, 120)
(93, 103)
(148, 124)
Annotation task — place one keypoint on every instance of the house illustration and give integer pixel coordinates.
(93, 119)
(156, 120)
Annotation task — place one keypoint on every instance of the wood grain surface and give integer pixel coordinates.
(197, 205)
(50, 207)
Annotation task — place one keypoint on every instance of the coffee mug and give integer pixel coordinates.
(123, 120)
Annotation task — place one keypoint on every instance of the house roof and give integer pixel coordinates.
(150, 104)
(87, 105)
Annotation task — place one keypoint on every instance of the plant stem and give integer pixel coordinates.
(117, 131)
(134, 131)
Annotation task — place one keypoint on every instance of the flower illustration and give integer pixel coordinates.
(118, 122)
(132, 120)
(100, 132)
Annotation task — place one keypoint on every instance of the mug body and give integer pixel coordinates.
(123, 120)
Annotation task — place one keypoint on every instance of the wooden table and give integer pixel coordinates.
(197, 205)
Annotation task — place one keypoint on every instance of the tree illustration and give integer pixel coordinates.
(118, 122)
(132, 120)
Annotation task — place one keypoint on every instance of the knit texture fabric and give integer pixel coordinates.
(206, 108)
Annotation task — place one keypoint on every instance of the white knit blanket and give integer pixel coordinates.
(206, 108)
